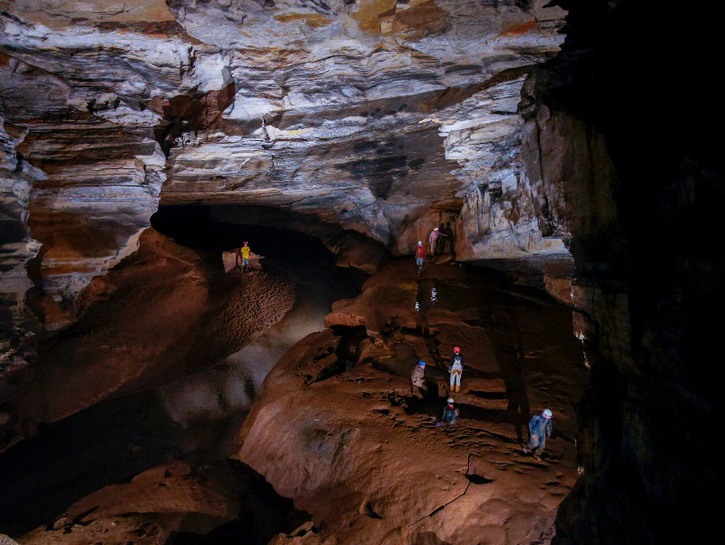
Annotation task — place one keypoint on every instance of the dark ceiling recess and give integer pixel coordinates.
(212, 230)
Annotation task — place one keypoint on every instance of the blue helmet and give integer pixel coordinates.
(421, 363)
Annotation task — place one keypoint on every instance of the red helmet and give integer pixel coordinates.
(457, 349)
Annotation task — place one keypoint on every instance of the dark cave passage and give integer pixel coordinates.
(280, 237)
(294, 255)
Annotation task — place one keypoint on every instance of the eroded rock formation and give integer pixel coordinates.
(411, 120)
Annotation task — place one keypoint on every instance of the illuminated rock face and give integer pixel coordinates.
(384, 118)
(378, 120)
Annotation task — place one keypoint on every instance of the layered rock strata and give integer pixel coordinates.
(384, 118)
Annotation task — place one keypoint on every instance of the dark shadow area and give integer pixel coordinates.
(348, 348)
(284, 250)
(486, 395)
(335, 367)
(265, 514)
(422, 404)
(293, 255)
(509, 348)
(108, 443)
(477, 479)
(483, 414)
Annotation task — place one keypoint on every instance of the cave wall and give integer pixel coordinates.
(643, 185)
(384, 118)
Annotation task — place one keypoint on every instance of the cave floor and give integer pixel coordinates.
(520, 356)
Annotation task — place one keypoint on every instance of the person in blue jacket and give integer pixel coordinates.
(540, 427)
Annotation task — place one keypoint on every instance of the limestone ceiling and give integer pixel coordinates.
(383, 117)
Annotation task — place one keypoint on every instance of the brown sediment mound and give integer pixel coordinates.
(336, 429)
(348, 442)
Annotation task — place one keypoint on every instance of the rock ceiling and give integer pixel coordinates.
(378, 116)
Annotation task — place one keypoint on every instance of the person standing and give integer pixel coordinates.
(540, 427)
(418, 384)
(455, 368)
(432, 239)
(420, 255)
(243, 257)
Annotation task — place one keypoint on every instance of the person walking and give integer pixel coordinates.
(540, 427)
(455, 368)
(418, 384)
(243, 257)
(420, 255)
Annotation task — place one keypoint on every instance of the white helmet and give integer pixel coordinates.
(450, 400)
(547, 413)
(420, 243)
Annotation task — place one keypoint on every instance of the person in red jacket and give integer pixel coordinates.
(420, 255)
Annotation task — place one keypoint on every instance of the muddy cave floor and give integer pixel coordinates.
(98, 472)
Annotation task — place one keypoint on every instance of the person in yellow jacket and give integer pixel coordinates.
(243, 257)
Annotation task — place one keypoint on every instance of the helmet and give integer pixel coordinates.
(450, 400)
(421, 363)
(245, 242)
(456, 349)
(420, 243)
(435, 229)
(547, 413)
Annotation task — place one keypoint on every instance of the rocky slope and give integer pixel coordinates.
(335, 429)
(338, 429)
